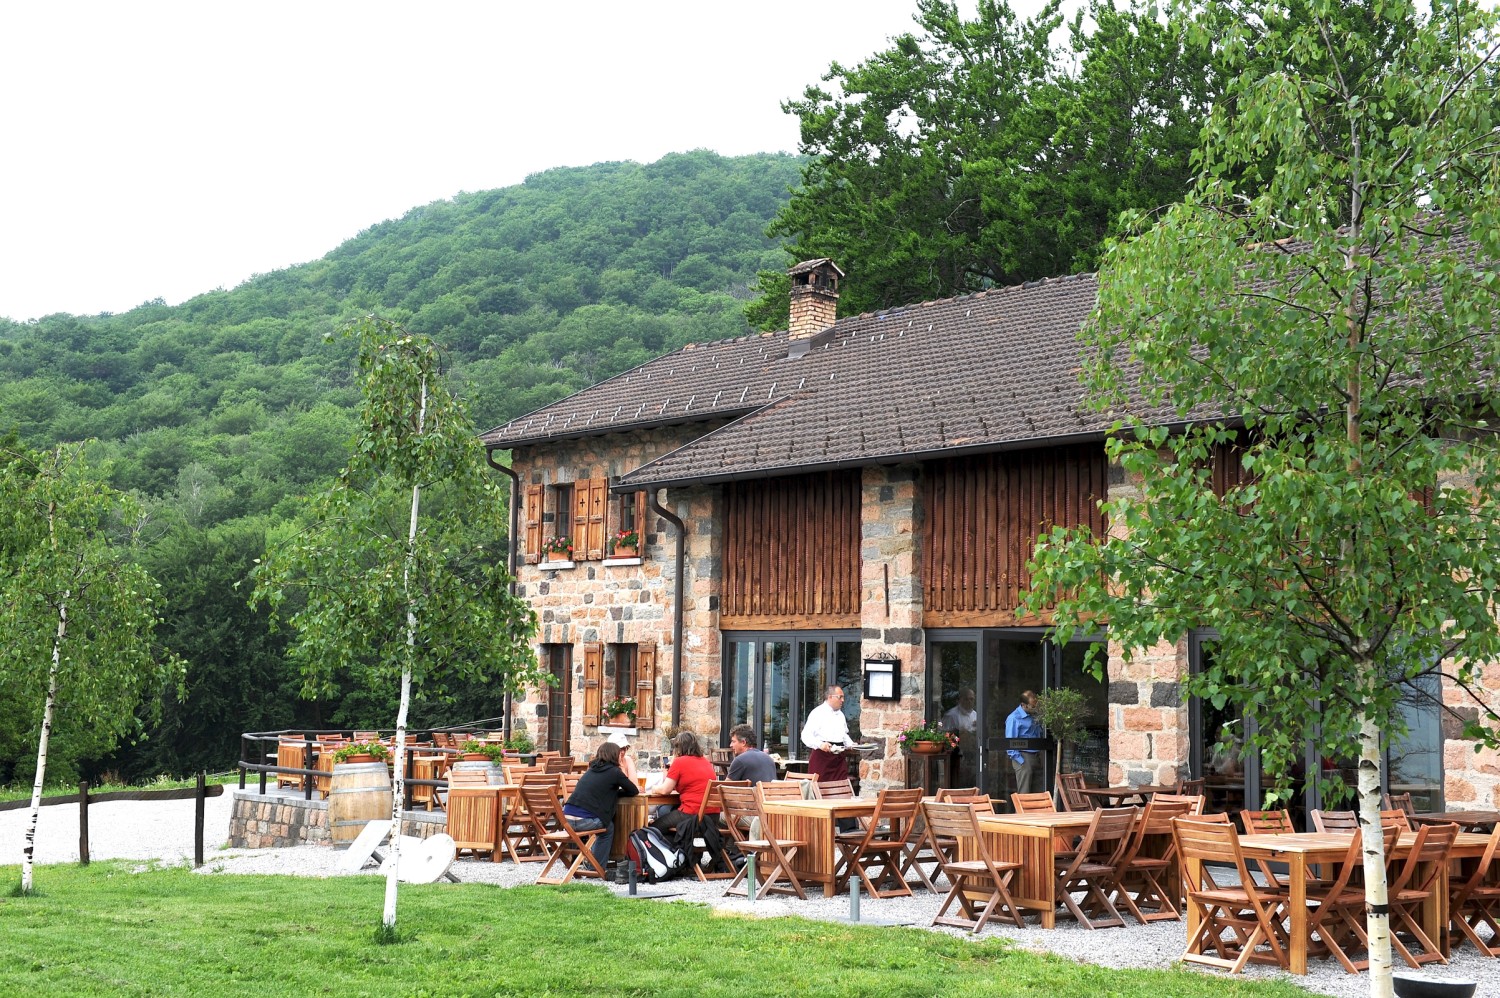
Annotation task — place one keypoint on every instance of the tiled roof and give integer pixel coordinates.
(980, 372)
(975, 373)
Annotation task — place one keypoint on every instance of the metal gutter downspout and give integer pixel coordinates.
(677, 584)
(510, 554)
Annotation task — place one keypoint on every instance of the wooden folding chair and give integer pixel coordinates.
(1399, 802)
(1147, 862)
(925, 848)
(980, 886)
(773, 856)
(946, 795)
(880, 846)
(833, 790)
(1069, 785)
(1410, 883)
(558, 764)
(567, 846)
(1241, 909)
(1196, 801)
(712, 797)
(1476, 901)
(1039, 803)
(1269, 823)
(1092, 868)
(1338, 916)
(1333, 821)
(1190, 788)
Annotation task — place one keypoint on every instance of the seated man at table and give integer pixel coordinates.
(593, 801)
(750, 763)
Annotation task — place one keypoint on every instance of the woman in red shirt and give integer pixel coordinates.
(690, 775)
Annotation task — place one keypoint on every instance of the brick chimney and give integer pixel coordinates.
(815, 297)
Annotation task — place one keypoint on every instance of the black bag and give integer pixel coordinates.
(655, 859)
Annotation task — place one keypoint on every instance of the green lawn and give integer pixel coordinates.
(103, 930)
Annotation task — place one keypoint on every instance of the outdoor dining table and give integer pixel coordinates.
(635, 812)
(816, 823)
(1469, 821)
(1121, 796)
(1031, 840)
(1300, 850)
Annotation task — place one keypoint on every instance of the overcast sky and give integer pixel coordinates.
(163, 149)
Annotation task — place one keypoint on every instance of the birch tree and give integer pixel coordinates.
(1323, 305)
(76, 614)
(401, 572)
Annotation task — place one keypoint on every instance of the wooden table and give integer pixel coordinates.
(1469, 821)
(816, 823)
(1299, 850)
(1120, 796)
(635, 812)
(1031, 840)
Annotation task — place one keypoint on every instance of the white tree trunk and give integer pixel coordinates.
(1377, 915)
(398, 766)
(27, 854)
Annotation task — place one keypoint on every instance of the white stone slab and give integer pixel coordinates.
(362, 849)
(423, 861)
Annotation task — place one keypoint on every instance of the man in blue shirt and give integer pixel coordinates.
(1022, 723)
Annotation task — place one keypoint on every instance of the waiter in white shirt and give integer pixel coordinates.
(827, 734)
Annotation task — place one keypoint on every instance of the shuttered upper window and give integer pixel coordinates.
(582, 514)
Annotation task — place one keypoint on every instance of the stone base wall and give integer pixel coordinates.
(1148, 716)
(270, 821)
(1471, 780)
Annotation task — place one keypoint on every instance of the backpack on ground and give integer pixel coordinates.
(654, 857)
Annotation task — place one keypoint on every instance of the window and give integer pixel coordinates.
(580, 521)
(772, 682)
(620, 664)
(639, 661)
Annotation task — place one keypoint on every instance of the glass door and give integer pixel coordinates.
(977, 678)
(1014, 663)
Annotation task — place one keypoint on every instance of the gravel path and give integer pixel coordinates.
(164, 831)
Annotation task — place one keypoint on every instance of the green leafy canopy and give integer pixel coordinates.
(356, 571)
(1324, 306)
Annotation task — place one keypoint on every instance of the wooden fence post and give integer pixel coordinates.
(200, 802)
(83, 822)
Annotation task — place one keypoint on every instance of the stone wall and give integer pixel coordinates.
(1470, 779)
(891, 614)
(274, 821)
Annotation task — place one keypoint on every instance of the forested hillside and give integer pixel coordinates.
(218, 412)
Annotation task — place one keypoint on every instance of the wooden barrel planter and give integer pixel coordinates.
(361, 793)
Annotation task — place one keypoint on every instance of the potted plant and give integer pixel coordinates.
(927, 739)
(362, 752)
(1063, 712)
(621, 710)
(521, 742)
(558, 548)
(625, 544)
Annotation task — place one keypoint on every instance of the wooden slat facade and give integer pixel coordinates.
(983, 517)
(791, 551)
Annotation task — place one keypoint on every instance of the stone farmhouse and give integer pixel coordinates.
(723, 531)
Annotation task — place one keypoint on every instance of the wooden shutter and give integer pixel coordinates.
(593, 678)
(645, 685)
(596, 491)
(580, 525)
(532, 517)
